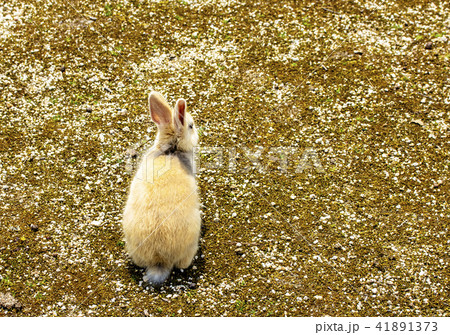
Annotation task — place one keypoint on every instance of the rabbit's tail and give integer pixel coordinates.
(156, 275)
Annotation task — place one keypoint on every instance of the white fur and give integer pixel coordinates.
(161, 220)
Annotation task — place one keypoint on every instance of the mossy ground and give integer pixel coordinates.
(352, 89)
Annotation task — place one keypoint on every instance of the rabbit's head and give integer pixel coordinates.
(176, 129)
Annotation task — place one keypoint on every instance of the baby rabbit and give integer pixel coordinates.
(161, 220)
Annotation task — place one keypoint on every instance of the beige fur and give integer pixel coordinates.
(161, 221)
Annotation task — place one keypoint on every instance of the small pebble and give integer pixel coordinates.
(418, 121)
(239, 251)
(122, 112)
(131, 153)
(438, 183)
(8, 301)
(337, 246)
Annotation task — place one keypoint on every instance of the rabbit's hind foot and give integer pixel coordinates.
(156, 275)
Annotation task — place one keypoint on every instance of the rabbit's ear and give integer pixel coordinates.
(180, 111)
(159, 109)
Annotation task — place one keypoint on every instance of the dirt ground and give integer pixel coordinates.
(323, 163)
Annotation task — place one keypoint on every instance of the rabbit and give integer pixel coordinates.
(161, 219)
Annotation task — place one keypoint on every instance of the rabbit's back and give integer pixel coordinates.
(162, 217)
